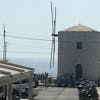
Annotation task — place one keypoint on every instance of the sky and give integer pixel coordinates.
(32, 19)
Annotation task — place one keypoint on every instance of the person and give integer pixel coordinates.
(72, 80)
(46, 79)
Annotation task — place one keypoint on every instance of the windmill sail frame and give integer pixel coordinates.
(52, 55)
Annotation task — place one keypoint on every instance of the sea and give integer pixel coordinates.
(40, 66)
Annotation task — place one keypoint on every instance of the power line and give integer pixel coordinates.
(45, 40)
(27, 38)
(27, 33)
(46, 48)
(29, 46)
(27, 52)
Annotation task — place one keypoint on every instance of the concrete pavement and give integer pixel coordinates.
(55, 93)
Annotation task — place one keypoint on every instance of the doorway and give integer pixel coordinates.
(78, 71)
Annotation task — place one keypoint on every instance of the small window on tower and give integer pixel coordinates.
(79, 45)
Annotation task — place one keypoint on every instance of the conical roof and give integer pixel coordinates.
(80, 27)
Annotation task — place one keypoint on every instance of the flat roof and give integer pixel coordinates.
(13, 72)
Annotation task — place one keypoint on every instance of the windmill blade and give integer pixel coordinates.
(52, 17)
(51, 54)
(54, 38)
(53, 58)
(55, 23)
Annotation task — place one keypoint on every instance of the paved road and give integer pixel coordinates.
(55, 93)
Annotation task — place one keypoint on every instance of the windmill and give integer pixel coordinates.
(52, 55)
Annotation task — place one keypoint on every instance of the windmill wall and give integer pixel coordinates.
(87, 54)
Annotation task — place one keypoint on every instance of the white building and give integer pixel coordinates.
(79, 52)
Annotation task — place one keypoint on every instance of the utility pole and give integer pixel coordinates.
(4, 43)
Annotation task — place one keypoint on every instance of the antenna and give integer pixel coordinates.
(5, 43)
(52, 55)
